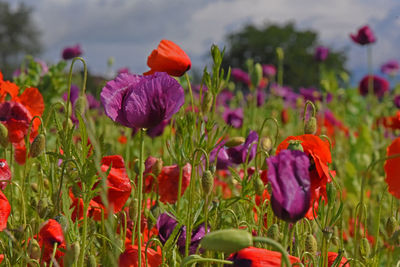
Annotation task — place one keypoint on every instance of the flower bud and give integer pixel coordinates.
(391, 226)
(72, 254)
(311, 245)
(133, 209)
(273, 232)
(258, 185)
(256, 74)
(34, 250)
(157, 167)
(3, 135)
(34, 187)
(266, 144)
(207, 102)
(207, 182)
(310, 127)
(235, 141)
(227, 240)
(80, 105)
(38, 146)
(295, 145)
(43, 207)
(365, 248)
(46, 183)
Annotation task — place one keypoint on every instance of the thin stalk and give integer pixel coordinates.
(81, 259)
(140, 193)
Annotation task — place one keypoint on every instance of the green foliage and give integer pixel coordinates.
(260, 43)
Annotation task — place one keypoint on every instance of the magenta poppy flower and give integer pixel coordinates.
(391, 67)
(71, 51)
(321, 53)
(290, 180)
(239, 75)
(379, 84)
(223, 160)
(269, 70)
(142, 101)
(233, 117)
(396, 101)
(364, 36)
(238, 154)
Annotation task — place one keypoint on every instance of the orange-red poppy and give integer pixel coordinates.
(319, 153)
(169, 58)
(168, 181)
(392, 168)
(130, 257)
(5, 210)
(51, 233)
(332, 257)
(258, 257)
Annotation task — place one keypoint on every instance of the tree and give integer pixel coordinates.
(300, 68)
(18, 36)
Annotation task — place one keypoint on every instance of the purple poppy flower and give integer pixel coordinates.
(142, 101)
(396, 101)
(224, 98)
(290, 180)
(233, 117)
(269, 70)
(238, 154)
(165, 226)
(197, 235)
(261, 95)
(239, 75)
(287, 94)
(158, 129)
(123, 70)
(93, 103)
(364, 36)
(43, 65)
(74, 94)
(223, 161)
(391, 67)
(311, 94)
(380, 85)
(321, 53)
(71, 51)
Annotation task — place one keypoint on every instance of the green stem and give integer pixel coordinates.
(190, 91)
(178, 202)
(139, 196)
(84, 234)
(191, 262)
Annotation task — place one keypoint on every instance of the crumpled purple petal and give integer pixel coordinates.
(238, 154)
(290, 180)
(233, 117)
(223, 161)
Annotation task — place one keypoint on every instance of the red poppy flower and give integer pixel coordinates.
(1, 258)
(392, 168)
(50, 234)
(258, 257)
(391, 122)
(169, 58)
(5, 173)
(5, 210)
(320, 155)
(130, 257)
(168, 181)
(119, 190)
(122, 139)
(332, 257)
(7, 88)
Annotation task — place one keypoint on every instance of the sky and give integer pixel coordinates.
(128, 30)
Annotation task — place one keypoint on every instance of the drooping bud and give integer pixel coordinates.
(391, 226)
(266, 144)
(80, 105)
(273, 232)
(3, 135)
(227, 240)
(72, 254)
(207, 102)
(310, 127)
(157, 167)
(38, 146)
(235, 141)
(46, 183)
(258, 185)
(207, 182)
(34, 187)
(311, 245)
(295, 145)
(34, 249)
(365, 248)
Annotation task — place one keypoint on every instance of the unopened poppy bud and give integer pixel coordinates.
(133, 208)
(228, 240)
(38, 146)
(69, 123)
(3, 135)
(46, 183)
(34, 187)
(273, 232)
(235, 141)
(80, 105)
(256, 74)
(92, 261)
(311, 245)
(136, 166)
(266, 144)
(207, 102)
(43, 207)
(391, 226)
(310, 127)
(34, 249)
(72, 254)
(258, 185)
(157, 167)
(295, 145)
(331, 192)
(335, 240)
(207, 182)
(365, 248)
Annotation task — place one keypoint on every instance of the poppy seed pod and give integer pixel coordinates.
(310, 127)
(295, 145)
(3, 135)
(38, 146)
(157, 167)
(207, 182)
(227, 240)
(235, 141)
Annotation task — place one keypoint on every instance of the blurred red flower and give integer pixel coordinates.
(168, 181)
(51, 233)
(392, 168)
(129, 258)
(169, 58)
(5, 210)
(332, 257)
(258, 257)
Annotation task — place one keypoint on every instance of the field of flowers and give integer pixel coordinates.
(238, 170)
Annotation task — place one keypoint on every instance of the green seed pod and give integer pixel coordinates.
(207, 182)
(258, 185)
(256, 74)
(295, 145)
(38, 146)
(43, 207)
(391, 226)
(207, 102)
(133, 209)
(266, 144)
(34, 187)
(157, 167)
(310, 127)
(72, 254)
(235, 141)
(365, 248)
(311, 245)
(80, 105)
(3, 135)
(92, 261)
(46, 183)
(34, 249)
(273, 232)
(227, 240)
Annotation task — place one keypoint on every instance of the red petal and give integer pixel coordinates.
(5, 210)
